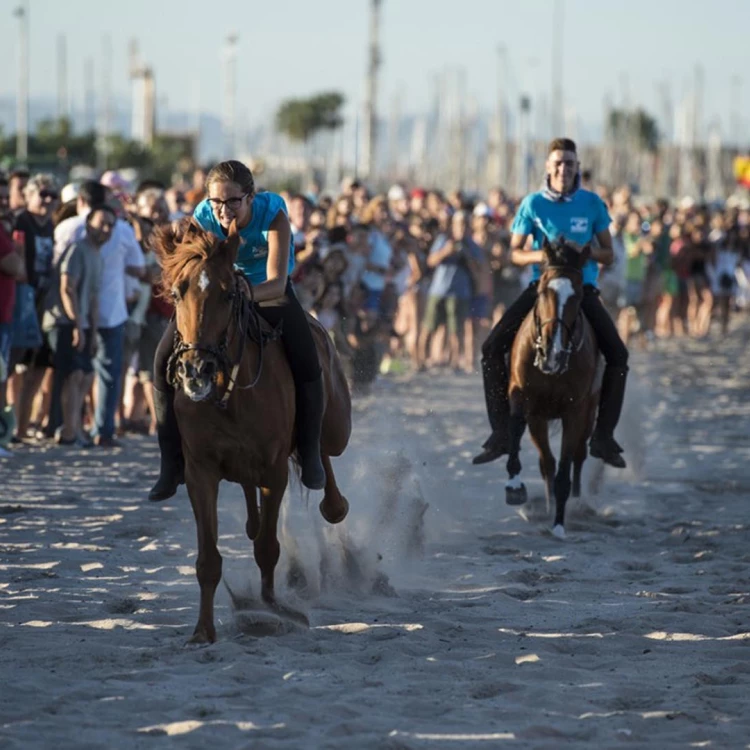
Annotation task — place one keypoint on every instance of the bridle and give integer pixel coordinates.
(246, 321)
(571, 330)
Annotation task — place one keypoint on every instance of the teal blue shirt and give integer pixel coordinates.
(577, 218)
(253, 253)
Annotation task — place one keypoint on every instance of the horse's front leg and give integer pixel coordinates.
(203, 490)
(515, 489)
(571, 439)
(539, 432)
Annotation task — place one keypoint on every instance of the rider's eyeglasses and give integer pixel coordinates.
(231, 203)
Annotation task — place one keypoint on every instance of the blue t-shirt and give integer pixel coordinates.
(253, 252)
(578, 219)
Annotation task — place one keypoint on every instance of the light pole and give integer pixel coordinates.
(22, 111)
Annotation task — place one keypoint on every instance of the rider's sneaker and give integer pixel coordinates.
(494, 447)
(608, 450)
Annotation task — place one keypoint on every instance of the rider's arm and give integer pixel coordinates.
(603, 254)
(521, 257)
(279, 241)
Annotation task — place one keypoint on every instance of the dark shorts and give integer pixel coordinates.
(372, 299)
(66, 358)
(456, 312)
(481, 308)
(42, 357)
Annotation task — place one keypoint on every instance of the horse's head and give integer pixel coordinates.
(198, 276)
(558, 304)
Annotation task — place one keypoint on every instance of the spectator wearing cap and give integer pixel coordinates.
(398, 203)
(71, 316)
(417, 205)
(34, 223)
(88, 193)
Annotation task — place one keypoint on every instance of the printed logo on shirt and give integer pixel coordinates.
(259, 252)
(579, 224)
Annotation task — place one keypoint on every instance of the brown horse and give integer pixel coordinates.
(239, 427)
(553, 367)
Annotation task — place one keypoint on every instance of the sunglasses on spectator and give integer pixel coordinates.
(51, 194)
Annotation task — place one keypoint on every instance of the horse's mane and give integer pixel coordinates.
(179, 246)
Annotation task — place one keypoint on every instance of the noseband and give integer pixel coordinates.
(571, 331)
(246, 320)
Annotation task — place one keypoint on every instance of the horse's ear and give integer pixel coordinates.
(190, 229)
(231, 245)
(548, 250)
(165, 239)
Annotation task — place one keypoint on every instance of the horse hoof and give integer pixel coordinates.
(515, 495)
(336, 514)
(201, 637)
(558, 530)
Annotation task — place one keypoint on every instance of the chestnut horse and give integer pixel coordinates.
(241, 428)
(553, 368)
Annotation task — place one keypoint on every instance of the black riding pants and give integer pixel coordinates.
(296, 338)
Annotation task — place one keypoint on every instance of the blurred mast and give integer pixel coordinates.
(370, 118)
(556, 119)
(22, 105)
(63, 110)
(230, 97)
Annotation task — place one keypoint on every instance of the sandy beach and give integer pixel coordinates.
(439, 616)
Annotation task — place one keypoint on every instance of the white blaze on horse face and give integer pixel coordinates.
(203, 281)
(564, 289)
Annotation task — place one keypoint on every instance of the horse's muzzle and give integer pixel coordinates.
(198, 376)
(552, 363)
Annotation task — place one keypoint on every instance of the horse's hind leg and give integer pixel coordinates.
(582, 450)
(203, 494)
(334, 506)
(266, 544)
(539, 432)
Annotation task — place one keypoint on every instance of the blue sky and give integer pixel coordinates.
(299, 47)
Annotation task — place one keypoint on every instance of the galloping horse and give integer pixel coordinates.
(238, 426)
(553, 367)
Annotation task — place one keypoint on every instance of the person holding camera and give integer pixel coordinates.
(454, 257)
